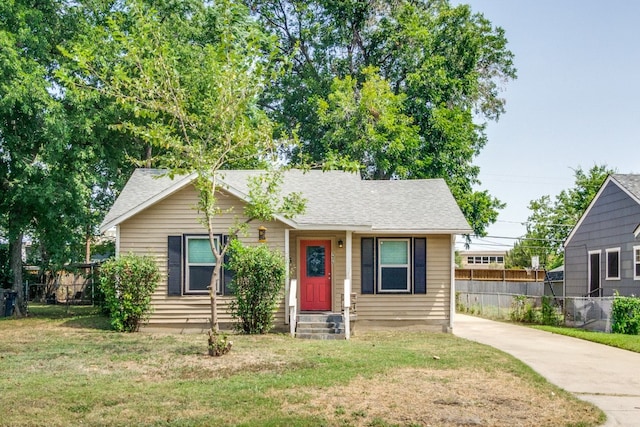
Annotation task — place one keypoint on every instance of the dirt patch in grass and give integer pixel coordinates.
(428, 397)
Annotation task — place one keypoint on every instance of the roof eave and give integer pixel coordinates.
(178, 185)
(333, 227)
(422, 231)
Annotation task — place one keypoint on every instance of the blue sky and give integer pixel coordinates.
(574, 104)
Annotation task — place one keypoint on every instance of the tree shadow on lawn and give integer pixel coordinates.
(97, 321)
(77, 316)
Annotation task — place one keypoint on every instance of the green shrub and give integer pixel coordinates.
(550, 315)
(626, 315)
(127, 283)
(258, 281)
(522, 310)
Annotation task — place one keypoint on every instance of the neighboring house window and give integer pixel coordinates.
(394, 267)
(199, 264)
(485, 260)
(613, 264)
(636, 262)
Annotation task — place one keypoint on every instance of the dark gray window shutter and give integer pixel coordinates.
(420, 265)
(368, 268)
(174, 271)
(227, 273)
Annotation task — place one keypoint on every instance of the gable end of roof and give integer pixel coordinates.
(628, 183)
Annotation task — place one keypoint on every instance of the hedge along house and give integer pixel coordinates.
(384, 248)
(602, 252)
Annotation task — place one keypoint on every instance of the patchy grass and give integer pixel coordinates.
(626, 342)
(63, 369)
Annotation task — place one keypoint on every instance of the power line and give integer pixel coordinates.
(521, 238)
(550, 224)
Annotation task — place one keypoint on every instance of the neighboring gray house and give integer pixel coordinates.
(602, 253)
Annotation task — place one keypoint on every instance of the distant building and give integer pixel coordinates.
(483, 259)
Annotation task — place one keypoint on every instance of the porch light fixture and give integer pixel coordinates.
(262, 234)
(340, 243)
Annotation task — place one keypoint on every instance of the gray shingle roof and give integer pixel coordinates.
(631, 182)
(335, 199)
(142, 188)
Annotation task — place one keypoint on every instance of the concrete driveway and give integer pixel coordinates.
(605, 376)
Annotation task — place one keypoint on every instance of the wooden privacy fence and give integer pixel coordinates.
(496, 275)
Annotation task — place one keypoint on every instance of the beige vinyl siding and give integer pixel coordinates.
(146, 234)
(430, 308)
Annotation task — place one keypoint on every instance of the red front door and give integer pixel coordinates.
(315, 275)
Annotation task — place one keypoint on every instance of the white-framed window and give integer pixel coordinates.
(199, 264)
(470, 260)
(636, 263)
(613, 263)
(394, 267)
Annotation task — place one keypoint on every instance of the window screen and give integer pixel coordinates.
(394, 267)
(200, 264)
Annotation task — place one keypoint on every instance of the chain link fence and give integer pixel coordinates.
(578, 312)
(589, 313)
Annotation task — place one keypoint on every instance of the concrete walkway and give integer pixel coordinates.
(605, 376)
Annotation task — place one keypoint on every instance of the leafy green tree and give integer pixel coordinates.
(190, 77)
(551, 221)
(58, 164)
(36, 194)
(393, 85)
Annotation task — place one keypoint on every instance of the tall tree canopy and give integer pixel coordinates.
(57, 161)
(189, 75)
(551, 221)
(394, 86)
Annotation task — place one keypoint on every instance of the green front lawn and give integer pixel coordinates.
(64, 367)
(627, 342)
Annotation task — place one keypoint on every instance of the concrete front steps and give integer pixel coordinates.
(320, 326)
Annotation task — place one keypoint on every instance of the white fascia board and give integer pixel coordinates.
(586, 211)
(245, 198)
(333, 227)
(419, 231)
(178, 185)
(636, 232)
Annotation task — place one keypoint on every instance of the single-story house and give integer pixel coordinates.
(385, 247)
(602, 252)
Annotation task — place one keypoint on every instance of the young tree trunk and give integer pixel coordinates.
(213, 296)
(15, 249)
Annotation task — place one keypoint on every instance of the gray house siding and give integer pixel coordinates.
(608, 224)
